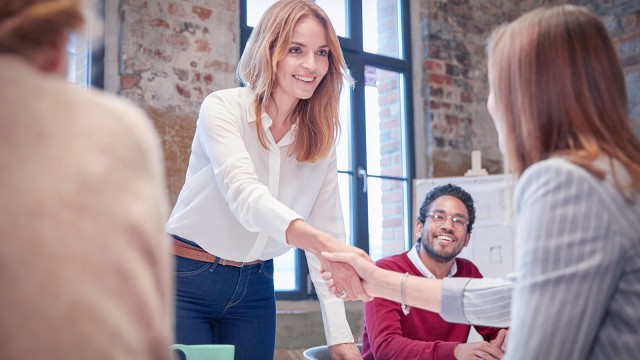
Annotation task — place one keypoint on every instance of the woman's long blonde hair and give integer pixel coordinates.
(318, 118)
(32, 25)
(559, 88)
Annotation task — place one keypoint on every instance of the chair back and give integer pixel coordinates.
(203, 352)
(321, 352)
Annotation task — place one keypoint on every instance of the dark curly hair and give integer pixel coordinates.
(451, 190)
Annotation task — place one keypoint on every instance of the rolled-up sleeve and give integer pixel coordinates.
(336, 327)
(326, 215)
(452, 308)
(477, 301)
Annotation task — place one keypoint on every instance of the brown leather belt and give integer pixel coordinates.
(194, 253)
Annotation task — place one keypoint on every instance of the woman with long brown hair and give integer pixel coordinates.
(262, 179)
(559, 102)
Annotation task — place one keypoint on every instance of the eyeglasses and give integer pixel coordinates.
(437, 218)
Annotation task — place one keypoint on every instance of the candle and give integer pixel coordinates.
(476, 160)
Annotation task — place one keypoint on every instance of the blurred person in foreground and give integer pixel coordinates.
(559, 103)
(84, 270)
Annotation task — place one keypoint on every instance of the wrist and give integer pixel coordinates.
(455, 350)
(304, 236)
(403, 300)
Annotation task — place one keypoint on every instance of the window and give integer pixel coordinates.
(375, 151)
(85, 58)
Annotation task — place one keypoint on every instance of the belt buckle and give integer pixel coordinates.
(224, 263)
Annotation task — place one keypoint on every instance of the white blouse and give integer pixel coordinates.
(239, 198)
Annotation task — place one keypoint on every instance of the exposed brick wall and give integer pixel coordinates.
(622, 19)
(454, 82)
(391, 145)
(173, 54)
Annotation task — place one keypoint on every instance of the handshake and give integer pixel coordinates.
(349, 273)
(352, 275)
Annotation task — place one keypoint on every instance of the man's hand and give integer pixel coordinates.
(347, 351)
(500, 340)
(477, 350)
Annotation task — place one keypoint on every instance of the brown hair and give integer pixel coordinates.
(318, 120)
(31, 25)
(559, 89)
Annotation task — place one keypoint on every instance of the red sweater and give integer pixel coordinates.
(422, 334)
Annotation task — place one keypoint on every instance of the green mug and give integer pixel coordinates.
(204, 352)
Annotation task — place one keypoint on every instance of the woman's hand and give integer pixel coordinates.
(345, 281)
(477, 350)
(500, 341)
(345, 352)
(364, 267)
(420, 292)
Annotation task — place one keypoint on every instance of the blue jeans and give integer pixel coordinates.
(218, 304)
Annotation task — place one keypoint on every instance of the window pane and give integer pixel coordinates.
(345, 197)
(255, 9)
(386, 217)
(79, 59)
(380, 27)
(336, 10)
(343, 147)
(284, 273)
(384, 119)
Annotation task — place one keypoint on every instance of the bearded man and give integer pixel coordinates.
(443, 229)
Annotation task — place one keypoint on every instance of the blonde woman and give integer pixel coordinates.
(84, 270)
(559, 102)
(262, 179)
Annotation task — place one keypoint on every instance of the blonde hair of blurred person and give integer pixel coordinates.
(38, 30)
(84, 273)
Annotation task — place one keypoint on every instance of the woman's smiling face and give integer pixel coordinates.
(299, 73)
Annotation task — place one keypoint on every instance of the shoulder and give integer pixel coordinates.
(552, 177)
(398, 262)
(561, 186)
(561, 179)
(466, 268)
(93, 118)
(132, 121)
(549, 169)
(234, 101)
(238, 95)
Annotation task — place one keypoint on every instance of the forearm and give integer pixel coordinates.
(400, 347)
(304, 236)
(419, 292)
(483, 301)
